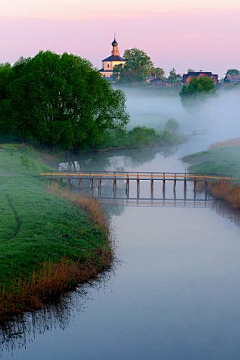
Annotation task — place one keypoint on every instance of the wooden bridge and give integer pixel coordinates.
(96, 178)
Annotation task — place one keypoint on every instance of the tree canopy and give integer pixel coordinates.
(138, 66)
(233, 72)
(173, 76)
(157, 72)
(198, 86)
(59, 100)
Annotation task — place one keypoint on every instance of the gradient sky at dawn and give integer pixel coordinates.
(182, 34)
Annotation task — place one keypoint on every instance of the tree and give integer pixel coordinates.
(171, 125)
(157, 72)
(198, 86)
(191, 70)
(233, 72)
(173, 76)
(138, 66)
(60, 100)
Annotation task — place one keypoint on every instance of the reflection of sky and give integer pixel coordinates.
(182, 34)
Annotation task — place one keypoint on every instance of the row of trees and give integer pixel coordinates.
(139, 66)
(59, 100)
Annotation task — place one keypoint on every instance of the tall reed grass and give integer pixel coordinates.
(227, 143)
(226, 191)
(52, 279)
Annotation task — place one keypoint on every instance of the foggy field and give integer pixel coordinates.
(216, 118)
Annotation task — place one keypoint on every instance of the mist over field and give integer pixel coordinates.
(214, 119)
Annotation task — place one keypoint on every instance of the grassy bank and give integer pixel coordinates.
(221, 159)
(48, 242)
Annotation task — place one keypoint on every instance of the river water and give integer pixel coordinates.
(173, 292)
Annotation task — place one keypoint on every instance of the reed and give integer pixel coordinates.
(227, 143)
(51, 280)
(226, 191)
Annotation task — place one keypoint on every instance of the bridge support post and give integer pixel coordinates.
(80, 183)
(185, 182)
(206, 190)
(138, 186)
(91, 183)
(152, 186)
(195, 190)
(99, 186)
(114, 186)
(195, 185)
(164, 186)
(206, 185)
(175, 183)
(127, 186)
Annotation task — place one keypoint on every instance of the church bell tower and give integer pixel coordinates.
(115, 51)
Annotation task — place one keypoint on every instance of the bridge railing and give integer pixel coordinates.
(143, 175)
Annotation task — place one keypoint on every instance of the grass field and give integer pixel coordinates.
(38, 230)
(221, 159)
(218, 161)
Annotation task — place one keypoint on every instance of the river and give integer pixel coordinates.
(173, 292)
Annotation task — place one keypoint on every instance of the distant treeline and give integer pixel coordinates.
(59, 101)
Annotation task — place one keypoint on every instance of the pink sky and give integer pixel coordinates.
(180, 37)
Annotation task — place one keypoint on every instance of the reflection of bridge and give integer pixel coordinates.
(95, 180)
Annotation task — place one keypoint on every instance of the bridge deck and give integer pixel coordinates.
(137, 176)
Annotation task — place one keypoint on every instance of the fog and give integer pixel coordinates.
(210, 120)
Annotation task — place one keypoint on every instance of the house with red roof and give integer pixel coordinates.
(198, 74)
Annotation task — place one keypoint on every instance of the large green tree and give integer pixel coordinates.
(59, 100)
(138, 66)
(197, 87)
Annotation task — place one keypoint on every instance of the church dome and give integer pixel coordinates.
(114, 43)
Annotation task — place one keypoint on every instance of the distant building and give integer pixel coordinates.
(110, 62)
(166, 83)
(198, 74)
(150, 78)
(232, 79)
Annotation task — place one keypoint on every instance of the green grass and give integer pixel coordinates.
(217, 161)
(35, 225)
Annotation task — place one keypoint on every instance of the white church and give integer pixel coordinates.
(110, 62)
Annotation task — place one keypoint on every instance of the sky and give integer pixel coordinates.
(181, 34)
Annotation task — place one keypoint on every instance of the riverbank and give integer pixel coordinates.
(49, 241)
(221, 159)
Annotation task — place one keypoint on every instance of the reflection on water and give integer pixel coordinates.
(232, 214)
(116, 160)
(22, 330)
